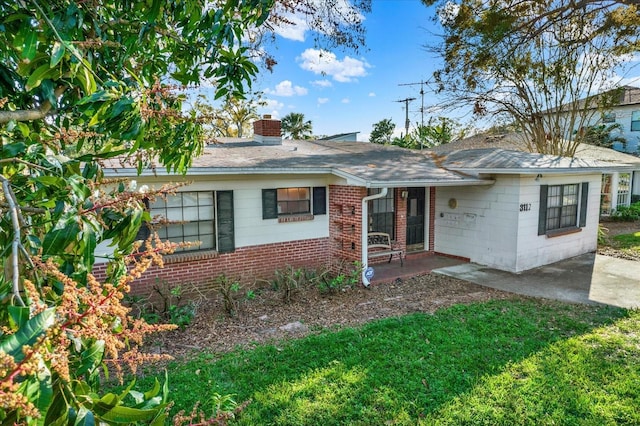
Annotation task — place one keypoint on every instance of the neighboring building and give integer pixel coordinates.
(342, 137)
(625, 111)
(261, 205)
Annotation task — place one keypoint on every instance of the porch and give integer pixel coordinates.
(415, 264)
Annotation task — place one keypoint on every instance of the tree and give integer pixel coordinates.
(603, 135)
(540, 62)
(294, 126)
(382, 131)
(80, 83)
(232, 119)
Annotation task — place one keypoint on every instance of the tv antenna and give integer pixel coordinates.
(406, 109)
(421, 83)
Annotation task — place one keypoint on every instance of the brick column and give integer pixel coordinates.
(401, 218)
(345, 223)
(432, 218)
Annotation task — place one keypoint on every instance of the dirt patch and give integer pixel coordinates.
(267, 318)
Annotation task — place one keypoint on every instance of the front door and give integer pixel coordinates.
(415, 218)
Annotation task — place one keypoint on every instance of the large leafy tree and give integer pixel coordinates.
(294, 126)
(81, 82)
(382, 131)
(540, 62)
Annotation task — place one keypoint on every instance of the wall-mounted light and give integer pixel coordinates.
(538, 177)
(404, 194)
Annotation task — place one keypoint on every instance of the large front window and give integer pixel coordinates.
(190, 217)
(193, 216)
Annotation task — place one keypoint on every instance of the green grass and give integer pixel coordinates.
(628, 242)
(497, 363)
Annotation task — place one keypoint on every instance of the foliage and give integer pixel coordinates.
(382, 131)
(232, 119)
(501, 362)
(81, 83)
(348, 276)
(437, 132)
(538, 62)
(629, 213)
(602, 135)
(290, 279)
(294, 126)
(229, 290)
(602, 234)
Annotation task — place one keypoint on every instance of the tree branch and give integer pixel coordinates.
(15, 244)
(30, 114)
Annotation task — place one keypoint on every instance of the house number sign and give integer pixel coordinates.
(525, 207)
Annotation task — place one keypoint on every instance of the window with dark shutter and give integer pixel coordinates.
(319, 200)
(562, 208)
(224, 210)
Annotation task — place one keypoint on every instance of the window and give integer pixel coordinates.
(635, 121)
(609, 117)
(382, 213)
(562, 207)
(294, 201)
(624, 189)
(193, 216)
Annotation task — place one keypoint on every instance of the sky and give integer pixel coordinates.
(345, 91)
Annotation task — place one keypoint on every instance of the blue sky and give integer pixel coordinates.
(345, 91)
(356, 89)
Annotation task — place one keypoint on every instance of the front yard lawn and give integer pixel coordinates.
(628, 242)
(503, 362)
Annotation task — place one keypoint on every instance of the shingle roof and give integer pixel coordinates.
(373, 165)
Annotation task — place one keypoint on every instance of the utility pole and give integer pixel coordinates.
(421, 83)
(406, 108)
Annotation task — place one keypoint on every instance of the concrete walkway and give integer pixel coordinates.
(589, 278)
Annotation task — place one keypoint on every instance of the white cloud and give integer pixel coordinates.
(286, 88)
(326, 63)
(294, 31)
(321, 83)
(299, 24)
(345, 101)
(272, 107)
(372, 95)
(323, 100)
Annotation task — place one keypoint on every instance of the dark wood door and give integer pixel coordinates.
(415, 216)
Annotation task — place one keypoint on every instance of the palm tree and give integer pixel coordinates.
(295, 127)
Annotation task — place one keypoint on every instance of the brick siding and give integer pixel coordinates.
(248, 265)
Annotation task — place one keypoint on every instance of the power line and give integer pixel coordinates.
(406, 107)
(421, 83)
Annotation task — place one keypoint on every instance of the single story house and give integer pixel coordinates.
(263, 204)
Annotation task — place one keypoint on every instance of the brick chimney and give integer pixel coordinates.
(267, 131)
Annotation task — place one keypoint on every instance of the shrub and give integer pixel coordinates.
(347, 277)
(627, 214)
(229, 289)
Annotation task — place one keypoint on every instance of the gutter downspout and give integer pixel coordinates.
(365, 248)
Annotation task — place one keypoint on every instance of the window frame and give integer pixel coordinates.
(579, 217)
(635, 121)
(382, 211)
(317, 201)
(222, 235)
